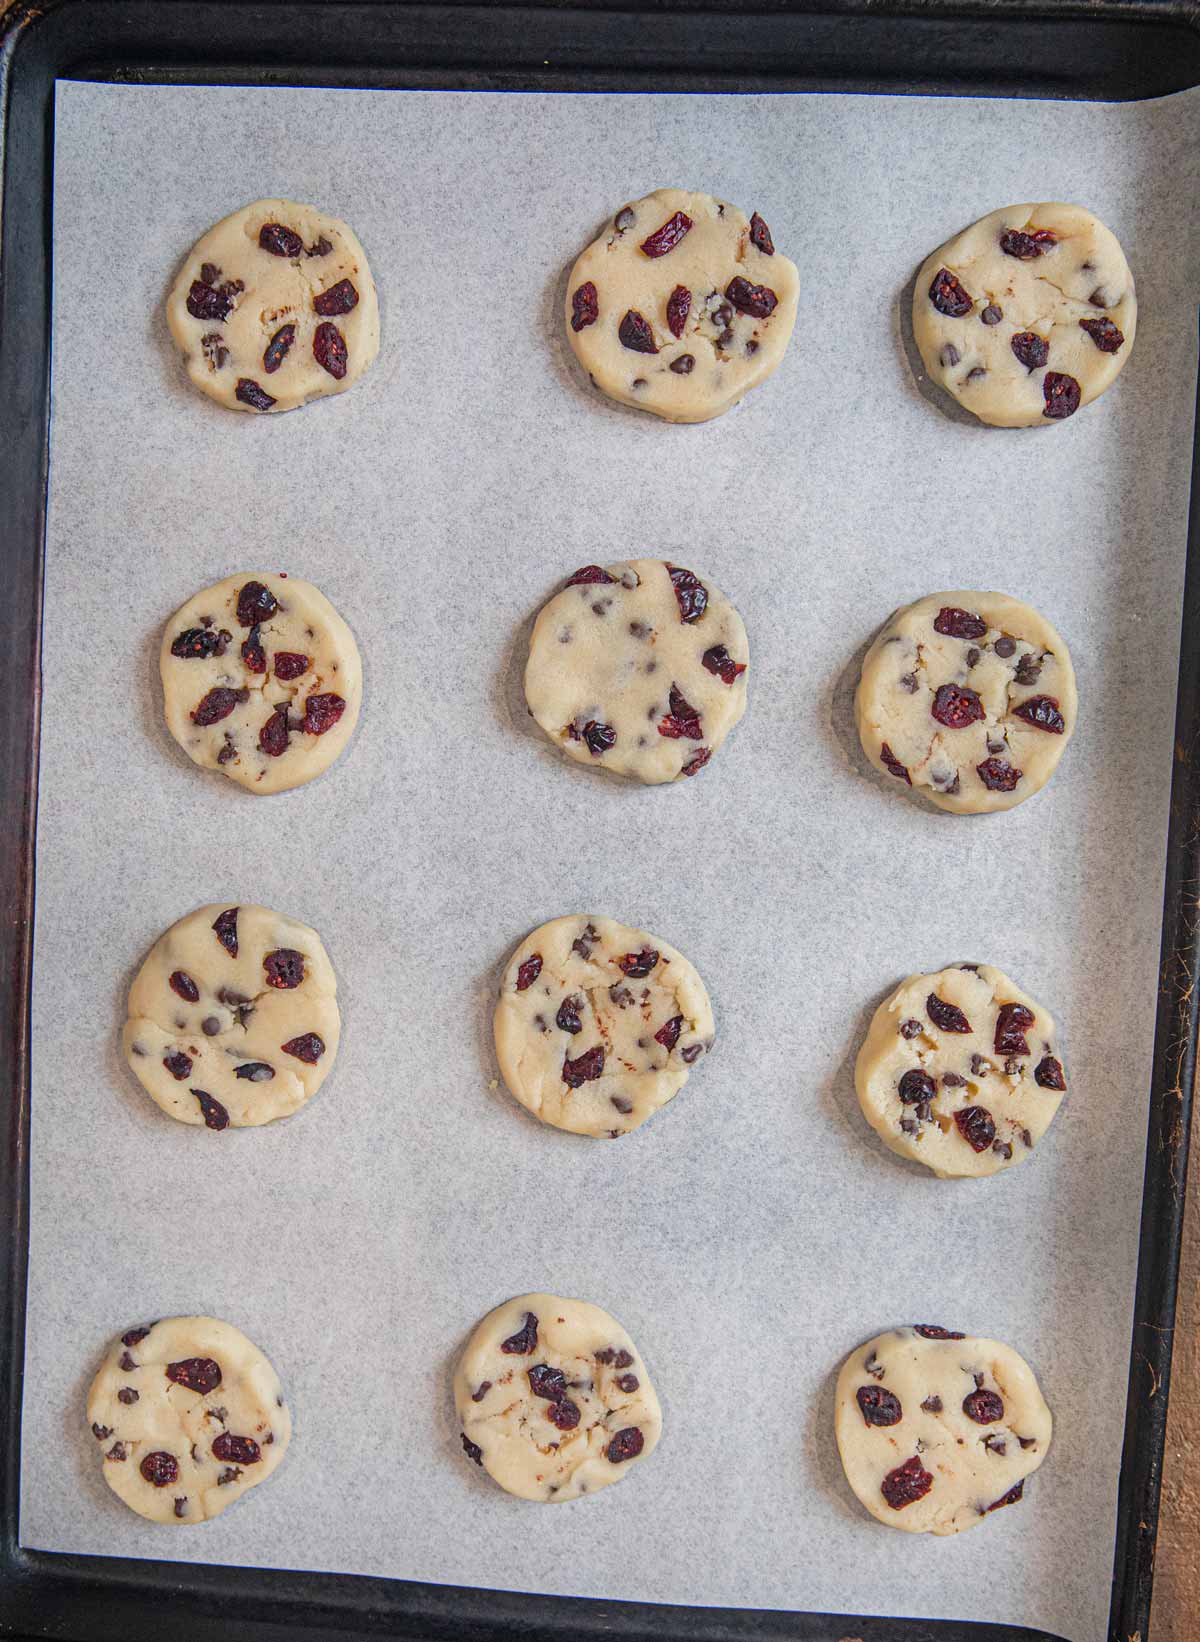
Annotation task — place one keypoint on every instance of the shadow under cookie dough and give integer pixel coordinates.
(937, 397)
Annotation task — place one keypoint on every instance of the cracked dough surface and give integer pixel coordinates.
(642, 673)
(230, 337)
(900, 1404)
(969, 698)
(593, 1417)
(730, 350)
(260, 1034)
(238, 655)
(617, 1012)
(198, 1405)
(959, 1071)
(1073, 270)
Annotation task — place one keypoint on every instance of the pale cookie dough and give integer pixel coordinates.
(638, 669)
(598, 1024)
(681, 306)
(1027, 314)
(233, 1017)
(275, 306)
(262, 680)
(959, 1071)
(553, 1399)
(937, 1430)
(969, 699)
(188, 1415)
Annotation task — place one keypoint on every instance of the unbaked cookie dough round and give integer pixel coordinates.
(553, 1399)
(598, 1024)
(681, 306)
(1026, 315)
(262, 680)
(936, 1430)
(638, 668)
(969, 699)
(233, 1017)
(189, 1415)
(275, 306)
(959, 1071)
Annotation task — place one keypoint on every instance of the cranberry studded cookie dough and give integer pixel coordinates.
(262, 680)
(598, 1025)
(681, 306)
(969, 699)
(233, 1018)
(960, 1071)
(188, 1415)
(554, 1400)
(1026, 315)
(638, 669)
(937, 1430)
(275, 306)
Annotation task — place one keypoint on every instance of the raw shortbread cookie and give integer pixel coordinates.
(969, 698)
(681, 306)
(261, 680)
(639, 669)
(936, 1430)
(233, 1017)
(1027, 314)
(275, 306)
(189, 1415)
(553, 1399)
(959, 1071)
(598, 1024)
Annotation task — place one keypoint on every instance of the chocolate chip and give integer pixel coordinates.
(1004, 647)
(910, 1028)
(683, 365)
(992, 315)
(949, 355)
(484, 1387)
(932, 1405)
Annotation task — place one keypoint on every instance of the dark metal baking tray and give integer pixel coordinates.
(1105, 49)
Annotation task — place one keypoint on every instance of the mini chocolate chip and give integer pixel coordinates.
(992, 315)
(127, 1395)
(910, 1028)
(949, 355)
(683, 365)
(972, 656)
(210, 1026)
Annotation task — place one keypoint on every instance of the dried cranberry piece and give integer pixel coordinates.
(338, 299)
(472, 1449)
(134, 1335)
(253, 654)
(249, 392)
(567, 1019)
(273, 737)
(101, 1432)
(565, 1415)
(959, 624)
(998, 774)
(529, 972)
(697, 761)
(256, 604)
(182, 983)
(276, 350)
(948, 295)
(117, 1452)
(329, 350)
(638, 964)
(916, 1086)
(280, 241)
(599, 737)
(198, 643)
(947, 1017)
(984, 1407)
(892, 763)
(760, 236)
(668, 1033)
(216, 705)
(200, 1374)
(691, 595)
(1107, 337)
(910, 1029)
(718, 660)
(1026, 246)
(585, 307)
(284, 967)
(160, 1469)
(934, 1331)
(215, 1115)
(547, 1382)
(1012, 1023)
(588, 574)
(523, 1342)
(1015, 1493)
(976, 1126)
(179, 1065)
(239, 1450)
(908, 1482)
(626, 1445)
(289, 664)
(585, 1069)
(667, 237)
(682, 720)
(759, 301)
(955, 706)
(1048, 1074)
(879, 1407)
(1031, 349)
(1061, 393)
(205, 301)
(308, 1047)
(679, 306)
(225, 929)
(322, 712)
(635, 333)
(1042, 713)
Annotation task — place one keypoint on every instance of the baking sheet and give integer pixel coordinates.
(756, 1230)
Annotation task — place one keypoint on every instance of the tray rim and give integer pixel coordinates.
(455, 42)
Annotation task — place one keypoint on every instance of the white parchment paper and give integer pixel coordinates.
(756, 1230)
